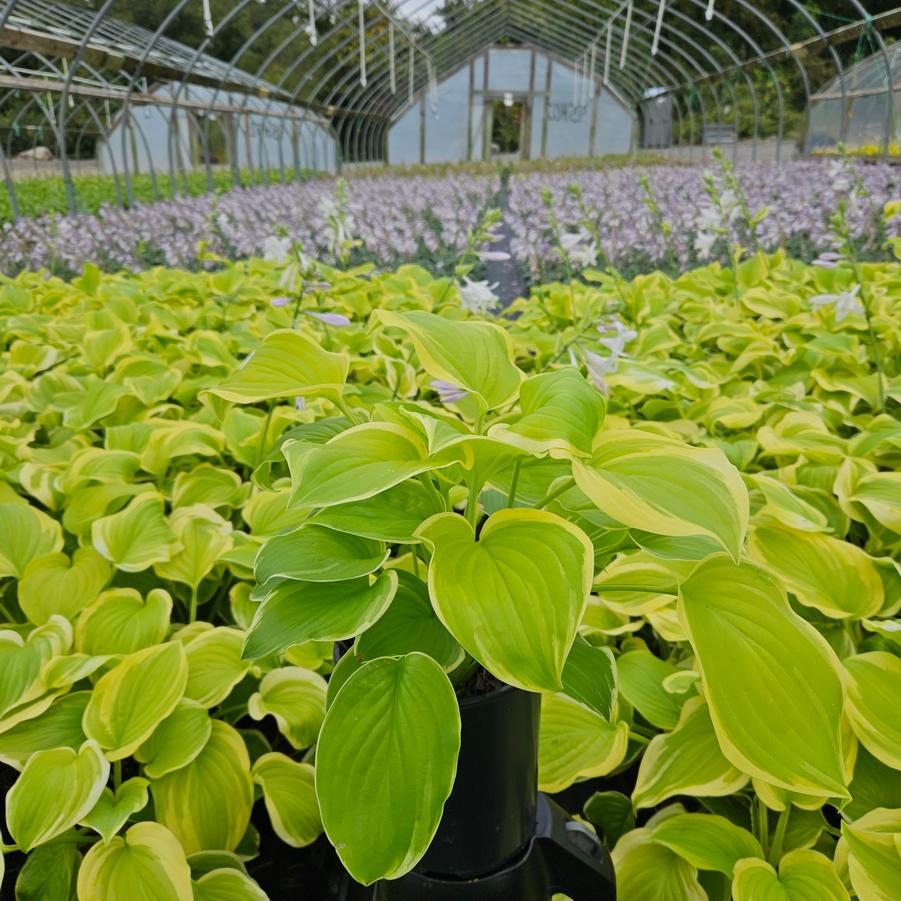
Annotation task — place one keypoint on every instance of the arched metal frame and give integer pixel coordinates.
(80, 74)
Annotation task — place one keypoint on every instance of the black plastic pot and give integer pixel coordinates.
(489, 818)
(499, 839)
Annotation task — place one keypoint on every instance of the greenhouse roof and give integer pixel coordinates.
(370, 57)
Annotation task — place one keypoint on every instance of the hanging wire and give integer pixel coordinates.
(607, 53)
(361, 9)
(627, 31)
(655, 46)
(592, 70)
(411, 74)
(392, 64)
(311, 24)
(208, 19)
(433, 87)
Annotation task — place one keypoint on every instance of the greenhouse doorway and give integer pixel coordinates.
(508, 128)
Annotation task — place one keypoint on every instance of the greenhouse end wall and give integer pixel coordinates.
(224, 127)
(560, 115)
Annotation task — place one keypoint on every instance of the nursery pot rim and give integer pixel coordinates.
(489, 696)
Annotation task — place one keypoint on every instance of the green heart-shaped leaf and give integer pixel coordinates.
(409, 625)
(113, 809)
(147, 861)
(391, 736)
(290, 797)
(134, 697)
(515, 597)
(138, 536)
(177, 740)
(745, 634)
(803, 876)
(54, 791)
(54, 585)
(561, 414)
(286, 364)
(121, 622)
(475, 356)
(297, 612)
(659, 485)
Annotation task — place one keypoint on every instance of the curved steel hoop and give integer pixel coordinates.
(90, 89)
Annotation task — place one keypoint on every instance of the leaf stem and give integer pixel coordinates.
(261, 449)
(760, 822)
(514, 482)
(192, 607)
(472, 503)
(779, 835)
(553, 495)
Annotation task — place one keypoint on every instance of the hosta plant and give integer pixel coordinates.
(448, 539)
(202, 491)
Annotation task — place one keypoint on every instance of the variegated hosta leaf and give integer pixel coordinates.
(297, 612)
(54, 791)
(874, 686)
(57, 727)
(561, 414)
(227, 884)
(204, 537)
(837, 578)
(147, 861)
(871, 846)
(53, 584)
(392, 736)
(296, 698)
(539, 567)
(25, 534)
(134, 697)
(206, 804)
(803, 876)
(290, 796)
(113, 809)
(408, 625)
(138, 536)
(356, 464)
(316, 554)
(745, 634)
(658, 485)
(215, 665)
(576, 742)
(121, 622)
(687, 761)
(176, 741)
(474, 356)
(707, 842)
(286, 364)
(646, 869)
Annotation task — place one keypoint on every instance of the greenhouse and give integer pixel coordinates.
(450, 449)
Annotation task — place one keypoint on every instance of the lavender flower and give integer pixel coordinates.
(448, 392)
(335, 319)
